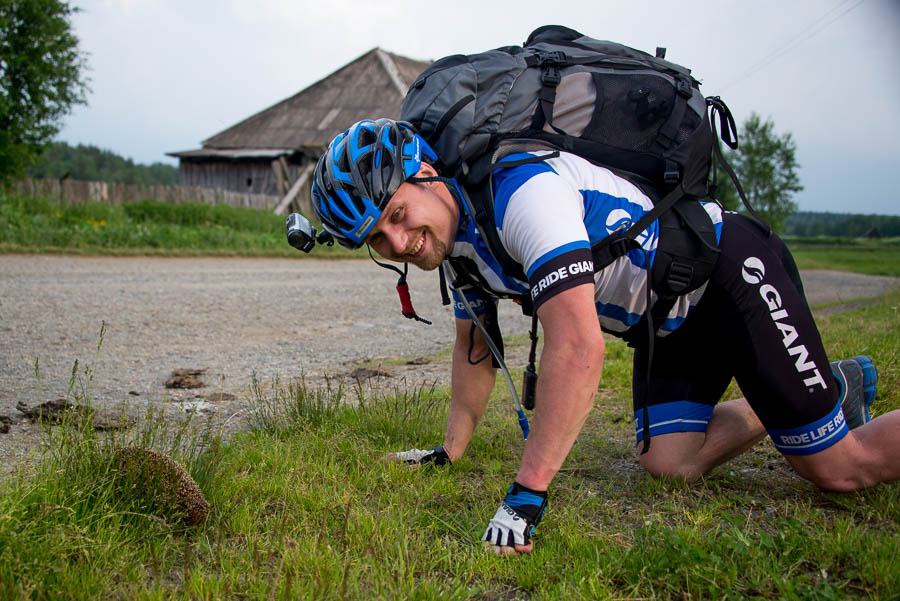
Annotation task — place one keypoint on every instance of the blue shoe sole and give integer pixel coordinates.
(870, 380)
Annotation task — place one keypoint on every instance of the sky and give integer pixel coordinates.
(167, 74)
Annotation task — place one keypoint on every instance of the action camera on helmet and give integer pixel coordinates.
(301, 234)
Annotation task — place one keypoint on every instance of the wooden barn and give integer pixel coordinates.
(274, 152)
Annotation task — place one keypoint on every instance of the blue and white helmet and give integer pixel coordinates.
(360, 171)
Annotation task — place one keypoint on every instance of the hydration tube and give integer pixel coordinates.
(523, 421)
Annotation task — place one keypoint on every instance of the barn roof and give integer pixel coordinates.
(373, 85)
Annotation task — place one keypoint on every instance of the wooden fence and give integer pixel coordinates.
(72, 191)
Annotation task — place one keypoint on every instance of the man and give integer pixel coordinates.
(376, 184)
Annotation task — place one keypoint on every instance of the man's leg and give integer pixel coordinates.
(732, 429)
(755, 305)
(691, 432)
(868, 455)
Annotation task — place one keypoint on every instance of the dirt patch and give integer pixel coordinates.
(186, 378)
(60, 410)
(365, 373)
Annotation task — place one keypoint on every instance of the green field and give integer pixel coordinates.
(873, 257)
(305, 507)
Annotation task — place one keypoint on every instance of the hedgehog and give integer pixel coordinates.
(162, 485)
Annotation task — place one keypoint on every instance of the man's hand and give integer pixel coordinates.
(435, 456)
(510, 530)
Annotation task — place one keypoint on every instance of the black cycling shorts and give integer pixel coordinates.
(752, 324)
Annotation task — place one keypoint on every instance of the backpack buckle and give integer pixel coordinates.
(671, 175)
(679, 277)
(550, 76)
(683, 87)
(557, 57)
(549, 63)
(621, 245)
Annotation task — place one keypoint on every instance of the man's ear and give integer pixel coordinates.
(426, 170)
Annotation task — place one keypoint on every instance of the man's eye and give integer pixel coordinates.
(398, 214)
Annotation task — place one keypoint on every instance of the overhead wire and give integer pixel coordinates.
(811, 31)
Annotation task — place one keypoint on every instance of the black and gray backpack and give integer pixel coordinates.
(637, 114)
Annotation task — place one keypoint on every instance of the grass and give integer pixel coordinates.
(305, 507)
(148, 227)
(873, 257)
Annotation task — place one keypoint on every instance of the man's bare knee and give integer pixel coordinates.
(669, 467)
(843, 467)
(833, 479)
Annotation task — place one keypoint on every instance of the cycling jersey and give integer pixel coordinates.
(548, 214)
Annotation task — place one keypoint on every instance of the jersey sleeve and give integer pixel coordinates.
(541, 225)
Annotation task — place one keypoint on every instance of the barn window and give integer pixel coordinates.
(249, 181)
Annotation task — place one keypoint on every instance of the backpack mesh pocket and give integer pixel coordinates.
(630, 110)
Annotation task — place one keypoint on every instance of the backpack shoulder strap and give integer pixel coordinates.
(616, 245)
(479, 199)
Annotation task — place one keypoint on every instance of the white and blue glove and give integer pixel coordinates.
(435, 456)
(519, 513)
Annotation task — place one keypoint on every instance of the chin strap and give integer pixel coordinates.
(406, 305)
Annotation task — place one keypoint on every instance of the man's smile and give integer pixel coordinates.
(420, 244)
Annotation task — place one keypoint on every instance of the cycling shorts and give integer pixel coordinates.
(752, 324)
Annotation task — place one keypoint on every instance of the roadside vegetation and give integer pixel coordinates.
(304, 506)
(148, 227)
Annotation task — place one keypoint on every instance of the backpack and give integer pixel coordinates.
(636, 114)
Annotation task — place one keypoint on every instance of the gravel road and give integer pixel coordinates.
(233, 318)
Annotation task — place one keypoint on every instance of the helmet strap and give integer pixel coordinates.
(402, 288)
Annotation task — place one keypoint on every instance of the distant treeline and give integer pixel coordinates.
(806, 223)
(89, 163)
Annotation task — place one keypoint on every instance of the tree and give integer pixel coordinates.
(766, 166)
(41, 78)
(89, 163)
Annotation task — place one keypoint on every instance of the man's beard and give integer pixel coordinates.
(434, 258)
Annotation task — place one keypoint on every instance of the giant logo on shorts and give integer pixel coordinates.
(753, 271)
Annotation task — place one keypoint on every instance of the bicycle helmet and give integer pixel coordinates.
(360, 171)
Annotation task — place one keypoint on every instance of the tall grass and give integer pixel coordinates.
(146, 227)
(71, 529)
(305, 506)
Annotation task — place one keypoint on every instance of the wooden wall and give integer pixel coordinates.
(245, 176)
(267, 177)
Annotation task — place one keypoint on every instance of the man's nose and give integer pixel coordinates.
(397, 238)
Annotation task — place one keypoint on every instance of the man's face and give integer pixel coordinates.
(418, 225)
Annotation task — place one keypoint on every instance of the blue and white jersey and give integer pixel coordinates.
(548, 214)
